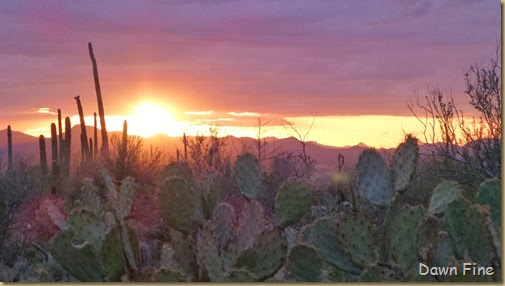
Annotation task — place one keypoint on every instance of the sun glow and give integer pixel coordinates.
(149, 119)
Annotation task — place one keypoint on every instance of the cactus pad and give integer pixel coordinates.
(404, 163)
(323, 235)
(293, 201)
(112, 256)
(374, 181)
(181, 204)
(248, 175)
(443, 195)
(490, 194)
(266, 255)
(468, 228)
(250, 224)
(355, 234)
(80, 261)
(402, 244)
(177, 169)
(305, 263)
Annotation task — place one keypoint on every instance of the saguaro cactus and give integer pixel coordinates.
(54, 144)
(84, 136)
(9, 143)
(43, 157)
(91, 147)
(101, 112)
(95, 136)
(60, 136)
(185, 141)
(123, 152)
(67, 149)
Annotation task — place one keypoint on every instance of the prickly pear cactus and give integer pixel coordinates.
(490, 194)
(88, 250)
(467, 227)
(79, 260)
(443, 195)
(177, 169)
(181, 204)
(265, 256)
(293, 201)
(250, 223)
(374, 180)
(305, 263)
(404, 163)
(324, 236)
(355, 234)
(401, 236)
(248, 175)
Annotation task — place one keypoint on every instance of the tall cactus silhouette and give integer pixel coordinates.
(54, 144)
(67, 148)
(101, 112)
(43, 157)
(91, 148)
(95, 137)
(185, 142)
(9, 147)
(60, 136)
(123, 152)
(84, 136)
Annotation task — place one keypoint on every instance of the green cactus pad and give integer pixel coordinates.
(184, 247)
(427, 237)
(212, 187)
(355, 234)
(112, 256)
(167, 275)
(323, 235)
(490, 194)
(208, 256)
(293, 201)
(374, 181)
(87, 226)
(125, 198)
(248, 175)
(402, 244)
(222, 224)
(80, 261)
(404, 163)
(177, 169)
(468, 228)
(181, 204)
(251, 222)
(305, 263)
(266, 255)
(443, 195)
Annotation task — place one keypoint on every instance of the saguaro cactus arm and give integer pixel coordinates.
(101, 112)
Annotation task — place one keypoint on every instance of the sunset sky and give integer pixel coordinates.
(178, 66)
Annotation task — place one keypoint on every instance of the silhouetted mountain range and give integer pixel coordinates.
(326, 156)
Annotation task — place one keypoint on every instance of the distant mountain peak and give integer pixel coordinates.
(361, 144)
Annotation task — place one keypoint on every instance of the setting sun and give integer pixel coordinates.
(149, 119)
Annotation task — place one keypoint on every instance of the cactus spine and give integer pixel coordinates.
(9, 143)
(84, 136)
(101, 112)
(43, 157)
